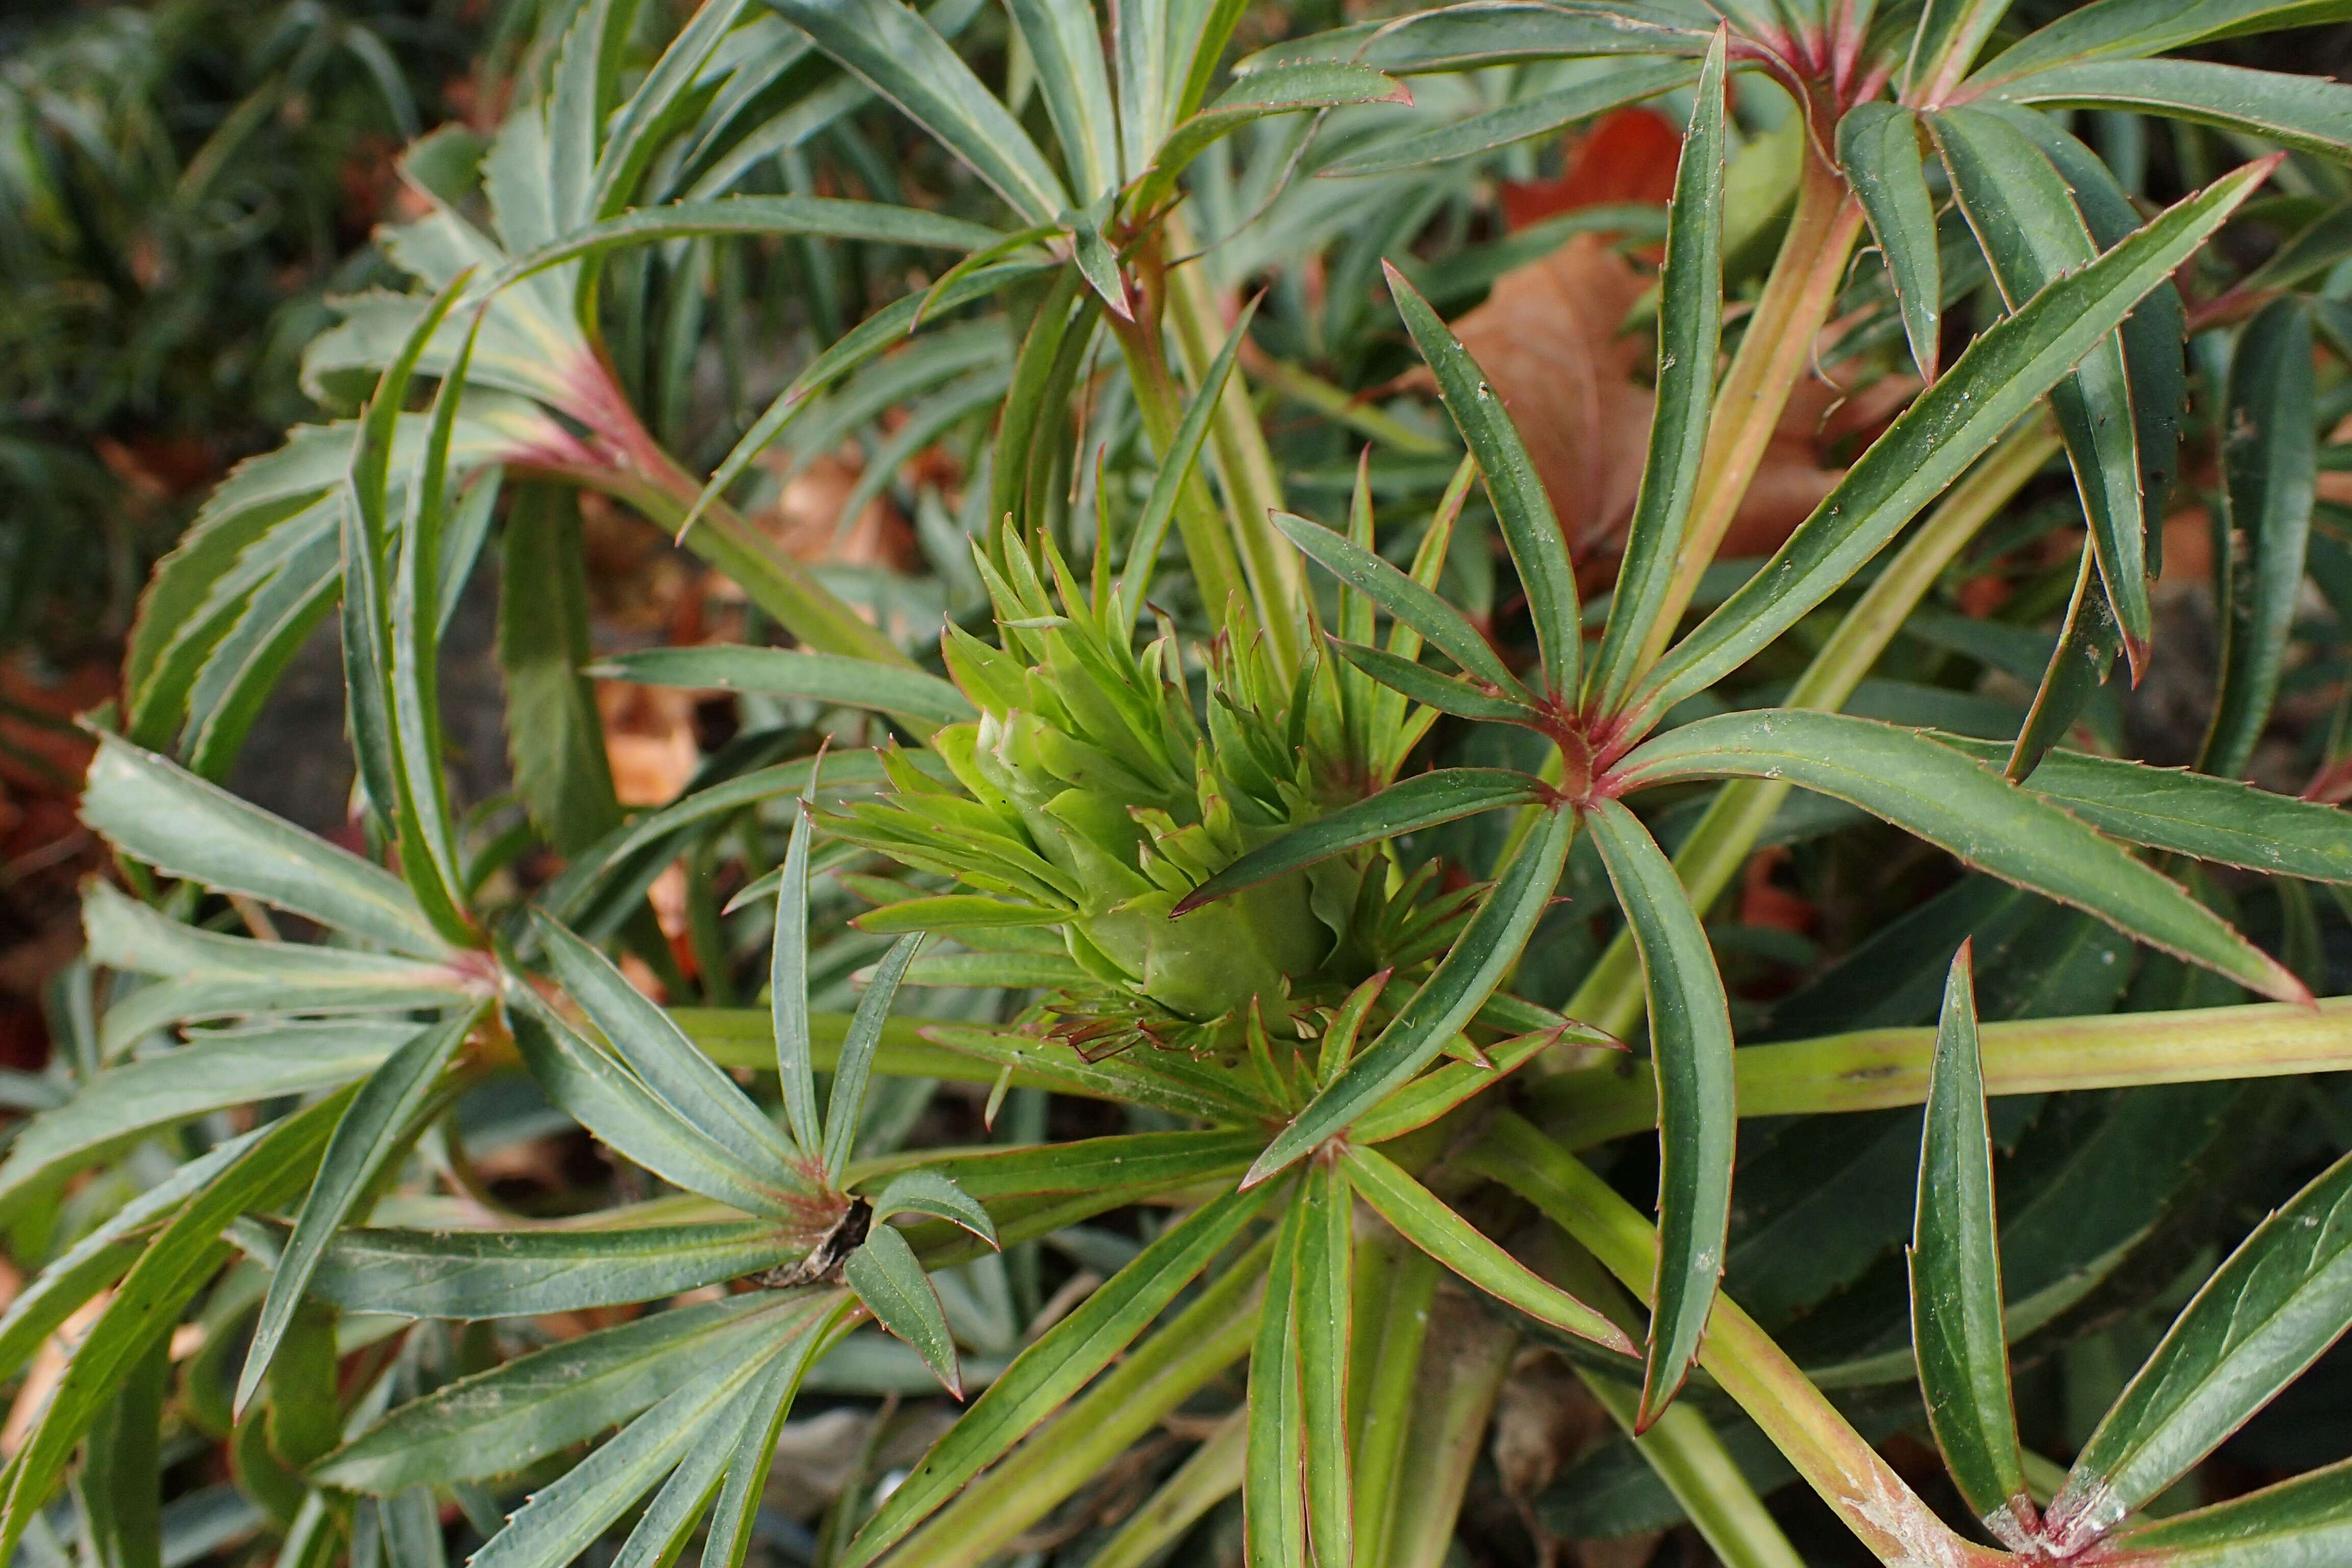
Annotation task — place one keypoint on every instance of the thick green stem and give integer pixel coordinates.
(1873, 1069)
(1775, 353)
(1156, 1377)
(1209, 545)
(1610, 997)
(1244, 463)
(1213, 1474)
(1834, 1459)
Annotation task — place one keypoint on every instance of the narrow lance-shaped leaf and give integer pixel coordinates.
(1950, 36)
(2265, 1316)
(2308, 114)
(888, 1279)
(1324, 1307)
(1066, 42)
(815, 217)
(788, 992)
(1538, 114)
(495, 1423)
(155, 811)
(2130, 30)
(1285, 89)
(845, 1108)
(1447, 1000)
(1878, 147)
(1536, 545)
(1690, 1050)
(2306, 1519)
(2034, 234)
(2270, 460)
(2005, 371)
(1168, 481)
(1443, 794)
(427, 835)
(2087, 646)
(371, 1134)
(927, 1192)
(1059, 1363)
(1274, 1492)
(1955, 802)
(470, 1274)
(1422, 1218)
(910, 694)
(1411, 604)
(1956, 1299)
(643, 1036)
(366, 538)
(555, 740)
(904, 58)
(728, 1540)
(1690, 327)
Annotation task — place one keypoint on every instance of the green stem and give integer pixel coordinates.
(1873, 1069)
(1834, 1459)
(1209, 548)
(1339, 406)
(1775, 352)
(1213, 1474)
(1244, 463)
(1464, 1361)
(1397, 1284)
(1611, 996)
(1167, 1369)
(1696, 1467)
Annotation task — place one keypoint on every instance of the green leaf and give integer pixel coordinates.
(469, 1273)
(122, 1469)
(497, 1422)
(815, 217)
(1485, 952)
(1055, 1366)
(845, 1107)
(1471, 37)
(1285, 89)
(2269, 458)
(148, 1303)
(2129, 29)
(2307, 113)
(153, 810)
(926, 700)
(660, 106)
(2026, 220)
(2306, 1519)
(2005, 371)
(2078, 667)
(126, 1104)
(2266, 1314)
(99, 1258)
(1168, 481)
(1956, 804)
(1161, 1160)
(953, 912)
(1950, 36)
(1442, 794)
(1538, 114)
(1956, 1299)
(1690, 330)
(206, 975)
(788, 992)
(1401, 596)
(905, 60)
(668, 1063)
(1274, 1491)
(930, 1193)
(1690, 1050)
(1536, 545)
(1065, 43)
(884, 1273)
(1417, 1214)
(885, 328)
(1878, 147)
(2191, 812)
(1325, 1312)
(1411, 678)
(611, 1102)
(563, 1519)
(371, 1134)
(555, 740)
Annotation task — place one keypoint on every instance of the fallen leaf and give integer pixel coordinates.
(1628, 156)
(806, 521)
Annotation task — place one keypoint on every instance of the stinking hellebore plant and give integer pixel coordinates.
(1244, 910)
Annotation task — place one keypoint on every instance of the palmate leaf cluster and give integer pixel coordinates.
(1330, 971)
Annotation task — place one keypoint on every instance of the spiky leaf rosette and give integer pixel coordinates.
(1095, 796)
